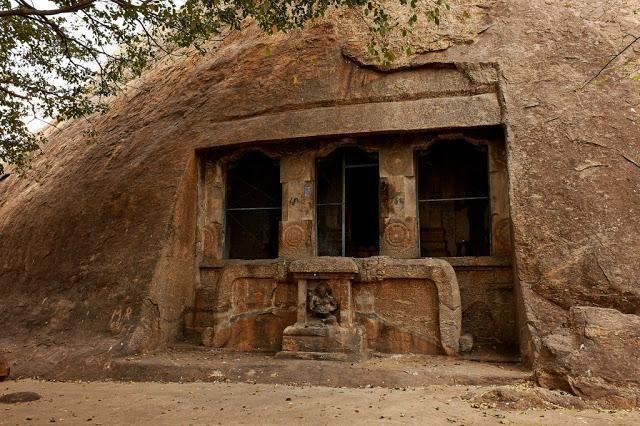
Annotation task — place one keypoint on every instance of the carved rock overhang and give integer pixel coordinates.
(472, 100)
(370, 270)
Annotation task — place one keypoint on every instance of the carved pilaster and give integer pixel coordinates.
(398, 211)
(500, 215)
(213, 218)
(296, 228)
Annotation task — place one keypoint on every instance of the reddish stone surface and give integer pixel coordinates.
(5, 369)
(400, 316)
(594, 357)
(98, 248)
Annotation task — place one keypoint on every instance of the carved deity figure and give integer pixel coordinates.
(321, 303)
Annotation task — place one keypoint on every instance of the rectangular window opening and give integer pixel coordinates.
(347, 204)
(453, 200)
(253, 207)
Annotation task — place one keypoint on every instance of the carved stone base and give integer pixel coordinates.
(322, 341)
(321, 356)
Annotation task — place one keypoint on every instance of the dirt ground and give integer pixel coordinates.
(102, 403)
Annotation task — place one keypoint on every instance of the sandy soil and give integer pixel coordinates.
(102, 403)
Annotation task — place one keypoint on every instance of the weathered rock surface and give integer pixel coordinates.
(405, 305)
(594, 357)
(5, 369)
(98, 240)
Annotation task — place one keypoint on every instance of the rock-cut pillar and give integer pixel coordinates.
(296, 228)
(398, 211)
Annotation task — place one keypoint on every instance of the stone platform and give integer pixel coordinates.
(191, 364)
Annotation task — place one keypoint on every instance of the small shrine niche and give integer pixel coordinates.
(325, 326)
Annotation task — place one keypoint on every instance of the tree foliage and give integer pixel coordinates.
(61, 59)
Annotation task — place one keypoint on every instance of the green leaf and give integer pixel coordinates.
(65, 66)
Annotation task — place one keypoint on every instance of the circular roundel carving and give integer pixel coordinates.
(397, 234)
(294, 236)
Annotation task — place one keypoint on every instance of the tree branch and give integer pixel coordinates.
(13, 94)
(616, 56)
(26, 10)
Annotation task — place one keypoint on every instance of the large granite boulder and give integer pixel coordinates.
(595, 357)
(98, 242)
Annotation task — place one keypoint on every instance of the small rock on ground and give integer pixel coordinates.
(12, 398)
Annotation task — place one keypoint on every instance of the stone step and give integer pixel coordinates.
(193, 363)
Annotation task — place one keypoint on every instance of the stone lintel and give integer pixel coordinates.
(323, 275)
(365, 118)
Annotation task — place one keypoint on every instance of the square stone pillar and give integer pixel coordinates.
(297, 236)
(398, 203)
(500, 214)
(212, 211)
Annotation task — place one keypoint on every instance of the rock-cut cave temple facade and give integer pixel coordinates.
(288, 194)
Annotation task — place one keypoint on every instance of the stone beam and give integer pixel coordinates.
(366, 118)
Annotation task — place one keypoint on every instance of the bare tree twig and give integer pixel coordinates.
(616, 56)
(28, 10)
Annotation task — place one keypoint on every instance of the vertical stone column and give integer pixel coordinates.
(213, 212)
(398, 209)
(499, 192)
(297, 236)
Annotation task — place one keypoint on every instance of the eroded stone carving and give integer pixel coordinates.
(211, 236)
(437, 271)
(397, 234)
(295, 239)
(326, 312)
(396, 161)
(373, 268)
(294, 236)
(321, 303)
(296, 168)
(236, 319)
(325, 328)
